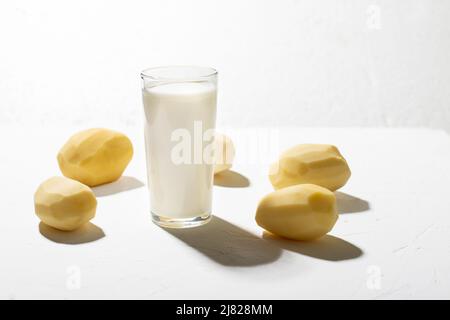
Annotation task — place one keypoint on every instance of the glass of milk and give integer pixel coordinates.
(180, 115)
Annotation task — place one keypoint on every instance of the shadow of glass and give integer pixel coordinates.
(124, 183)
(350, 204)
(231, 179)
(326, 248)
(87, 233)
(228, 244)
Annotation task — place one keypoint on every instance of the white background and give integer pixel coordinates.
(391, 241)
(290, 62)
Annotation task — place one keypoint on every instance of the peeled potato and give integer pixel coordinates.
(300, 212)
(224, 155)
(95, 156)
(320, 164)
(64, 204)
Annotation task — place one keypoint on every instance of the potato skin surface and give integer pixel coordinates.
(64, 204)
(301, 212)
(319, 164)
(95, 156)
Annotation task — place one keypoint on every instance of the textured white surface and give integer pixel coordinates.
(317, 63)
(392, 239)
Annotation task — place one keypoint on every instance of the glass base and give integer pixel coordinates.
(180, 223)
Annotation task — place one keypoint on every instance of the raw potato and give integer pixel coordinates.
(300, 212)
(95, 156)
(64, 204)
(224, 153)
(320, 164)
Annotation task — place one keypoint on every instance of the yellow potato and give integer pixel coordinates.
(95, 156)
(64, 204)
(224, 153)
(320, 164)
(300, 212)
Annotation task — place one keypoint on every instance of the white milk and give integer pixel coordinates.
(183, 190)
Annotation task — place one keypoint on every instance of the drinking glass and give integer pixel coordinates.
(180, 115)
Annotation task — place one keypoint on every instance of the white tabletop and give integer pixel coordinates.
(392, 239)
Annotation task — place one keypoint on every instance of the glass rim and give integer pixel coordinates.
(156, 73)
